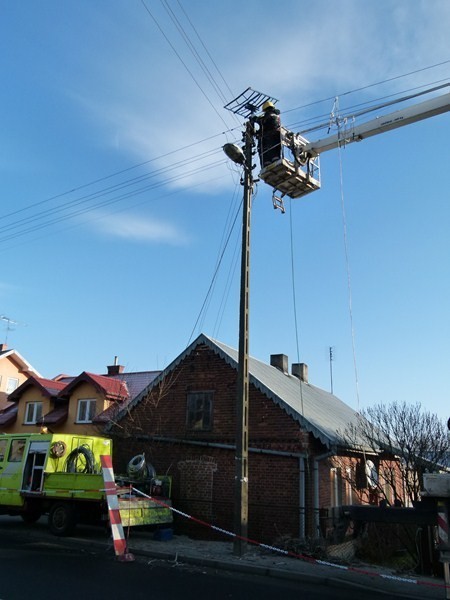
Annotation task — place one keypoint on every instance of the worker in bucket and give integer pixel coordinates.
(269, 134)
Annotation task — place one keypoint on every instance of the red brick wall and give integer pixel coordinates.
(273, 479)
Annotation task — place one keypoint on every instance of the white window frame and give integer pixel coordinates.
(335, 487)
(348, 486)
(86, 410)
(33, 412)
(12, 384)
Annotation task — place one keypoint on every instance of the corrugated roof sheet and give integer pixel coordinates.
(136, 382)
(318, 411)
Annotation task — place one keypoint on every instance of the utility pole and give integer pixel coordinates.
(245, 105)
(242, 399)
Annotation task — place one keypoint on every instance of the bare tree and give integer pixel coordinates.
(409, 440)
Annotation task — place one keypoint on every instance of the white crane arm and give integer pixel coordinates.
(354, 133)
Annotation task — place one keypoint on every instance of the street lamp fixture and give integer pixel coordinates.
(234, 153)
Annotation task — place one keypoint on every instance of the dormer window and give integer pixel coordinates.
(33, 412)
(86, 410)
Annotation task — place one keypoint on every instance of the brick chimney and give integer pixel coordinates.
(3, 347)
(281, 362)
(300, 370)
(115, 369)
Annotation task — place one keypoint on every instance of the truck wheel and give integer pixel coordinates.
(61, 519)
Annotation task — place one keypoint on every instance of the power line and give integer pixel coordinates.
(50, 212)
(183, 63)
(368, 86)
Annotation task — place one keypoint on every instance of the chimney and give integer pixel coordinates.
(300, 370)
(281, 362)
(115, 369)
(3, 347)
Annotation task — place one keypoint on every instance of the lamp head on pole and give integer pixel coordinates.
(234, 153)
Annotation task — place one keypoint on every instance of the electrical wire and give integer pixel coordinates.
(349, 283)
(368, 86)
(107, 202)
(22, 226)
(294, 301)
(177, 54)
(232, 94)
(215, 274)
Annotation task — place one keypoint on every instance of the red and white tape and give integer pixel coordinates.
(303, 557)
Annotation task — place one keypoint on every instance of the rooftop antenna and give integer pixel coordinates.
(9, 323)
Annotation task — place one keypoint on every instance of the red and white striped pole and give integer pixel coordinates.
(442, 518)
(120, 544)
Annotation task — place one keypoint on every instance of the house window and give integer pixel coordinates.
(336, 486)
(348, 486)
(199, 411)
(11, 384)
(33, 412)
(86, 411)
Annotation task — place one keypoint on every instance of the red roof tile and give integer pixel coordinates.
(113, 389)
(49, 387)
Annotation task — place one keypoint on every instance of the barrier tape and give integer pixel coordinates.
(112, 489)
(302, 557)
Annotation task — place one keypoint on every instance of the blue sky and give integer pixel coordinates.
(117, 198)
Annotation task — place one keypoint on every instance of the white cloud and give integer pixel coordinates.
(139, 229)
(147, 104)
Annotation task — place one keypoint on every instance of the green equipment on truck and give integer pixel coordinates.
(60, 475)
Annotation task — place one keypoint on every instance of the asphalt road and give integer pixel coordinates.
(45, 567)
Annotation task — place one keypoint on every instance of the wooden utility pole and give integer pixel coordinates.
(242, 398)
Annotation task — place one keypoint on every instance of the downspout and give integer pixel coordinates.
(316, 506)
(301, 497)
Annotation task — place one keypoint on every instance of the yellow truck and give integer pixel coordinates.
(60, 475)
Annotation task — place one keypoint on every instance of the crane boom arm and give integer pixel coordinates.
(355, 133)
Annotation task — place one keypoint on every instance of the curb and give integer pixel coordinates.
(275, 573)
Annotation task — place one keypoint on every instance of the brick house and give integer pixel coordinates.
(185, 423)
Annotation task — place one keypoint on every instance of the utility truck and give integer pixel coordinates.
(60, 475)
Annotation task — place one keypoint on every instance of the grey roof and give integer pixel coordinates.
(318, 411)
(136, 381)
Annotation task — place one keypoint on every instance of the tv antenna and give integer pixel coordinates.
(9, 323)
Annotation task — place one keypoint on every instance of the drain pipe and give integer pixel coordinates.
(301, 497)
(316, 513)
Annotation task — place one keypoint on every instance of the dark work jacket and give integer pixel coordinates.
(269, 140)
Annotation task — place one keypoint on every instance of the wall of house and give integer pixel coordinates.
(83, 391)
(32, 394)
(204, 474)
(9, 368)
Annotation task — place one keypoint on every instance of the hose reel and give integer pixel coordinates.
(139, 468)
